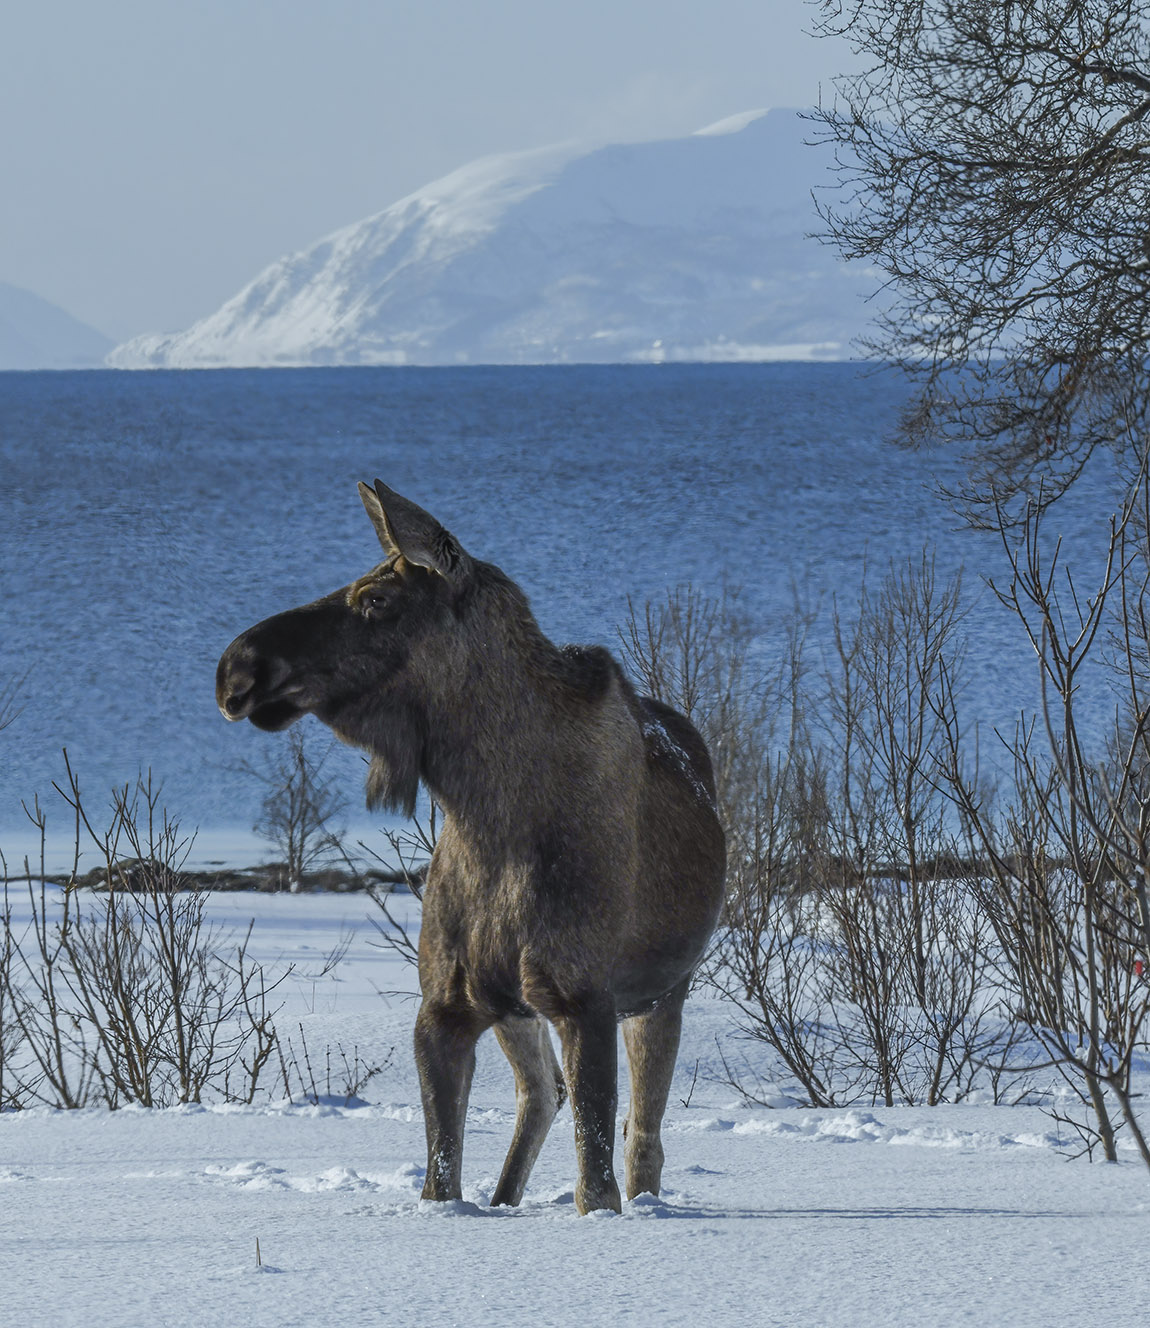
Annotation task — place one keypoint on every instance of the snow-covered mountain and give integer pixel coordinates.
(37, 335)
(691, 248)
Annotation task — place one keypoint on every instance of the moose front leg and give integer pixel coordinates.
(591, 1070)
(445, 1041)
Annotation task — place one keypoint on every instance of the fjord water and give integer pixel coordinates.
(148, 518)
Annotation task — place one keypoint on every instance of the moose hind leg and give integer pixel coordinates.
(590, 1066)
(445, 1057)
(539, 1093)
(652, 1042)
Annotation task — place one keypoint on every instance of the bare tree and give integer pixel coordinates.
(994, 163)
(302, 805)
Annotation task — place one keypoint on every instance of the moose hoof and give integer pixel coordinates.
(589, 1201)
(644, 1164)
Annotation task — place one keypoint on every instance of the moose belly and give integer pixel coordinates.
(525, 950)
(527, 982)
(643, 978)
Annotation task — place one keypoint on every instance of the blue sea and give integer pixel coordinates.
(148, 518)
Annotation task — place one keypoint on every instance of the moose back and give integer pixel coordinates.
(579, 872)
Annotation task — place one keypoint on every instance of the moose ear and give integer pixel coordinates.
(405, 529)
(374, 509)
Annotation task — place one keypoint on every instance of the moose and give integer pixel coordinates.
(579, 871)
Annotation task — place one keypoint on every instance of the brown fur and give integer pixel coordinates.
(579, 872)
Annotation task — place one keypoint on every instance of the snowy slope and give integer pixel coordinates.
(692, 248)
(37, 335)
(861, 1218)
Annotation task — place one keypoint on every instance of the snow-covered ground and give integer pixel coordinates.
(955, 1215)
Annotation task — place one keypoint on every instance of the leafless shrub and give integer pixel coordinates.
(411, 850)
(343, 1078)
(9, 1029)
(771, 965)
(1065, 886)
(908, 988)
(852, 947)
(48, 1056)
(127, 994)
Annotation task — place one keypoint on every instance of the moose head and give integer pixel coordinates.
(349, 657)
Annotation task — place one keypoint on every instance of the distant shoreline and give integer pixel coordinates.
(266, 878)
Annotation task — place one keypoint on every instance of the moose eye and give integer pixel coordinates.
(373, 599)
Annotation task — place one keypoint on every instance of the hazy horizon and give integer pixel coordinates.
(165, 156)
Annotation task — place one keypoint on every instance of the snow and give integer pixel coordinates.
(695, 248)
(658, 738)
(732, 124)
(951, 1215)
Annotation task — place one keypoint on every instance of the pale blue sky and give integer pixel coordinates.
(155, 155)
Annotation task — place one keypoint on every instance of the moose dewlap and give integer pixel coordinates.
(579, 872)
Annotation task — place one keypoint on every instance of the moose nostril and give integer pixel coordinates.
(233, 696)
(247, 676)
(234, 686)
